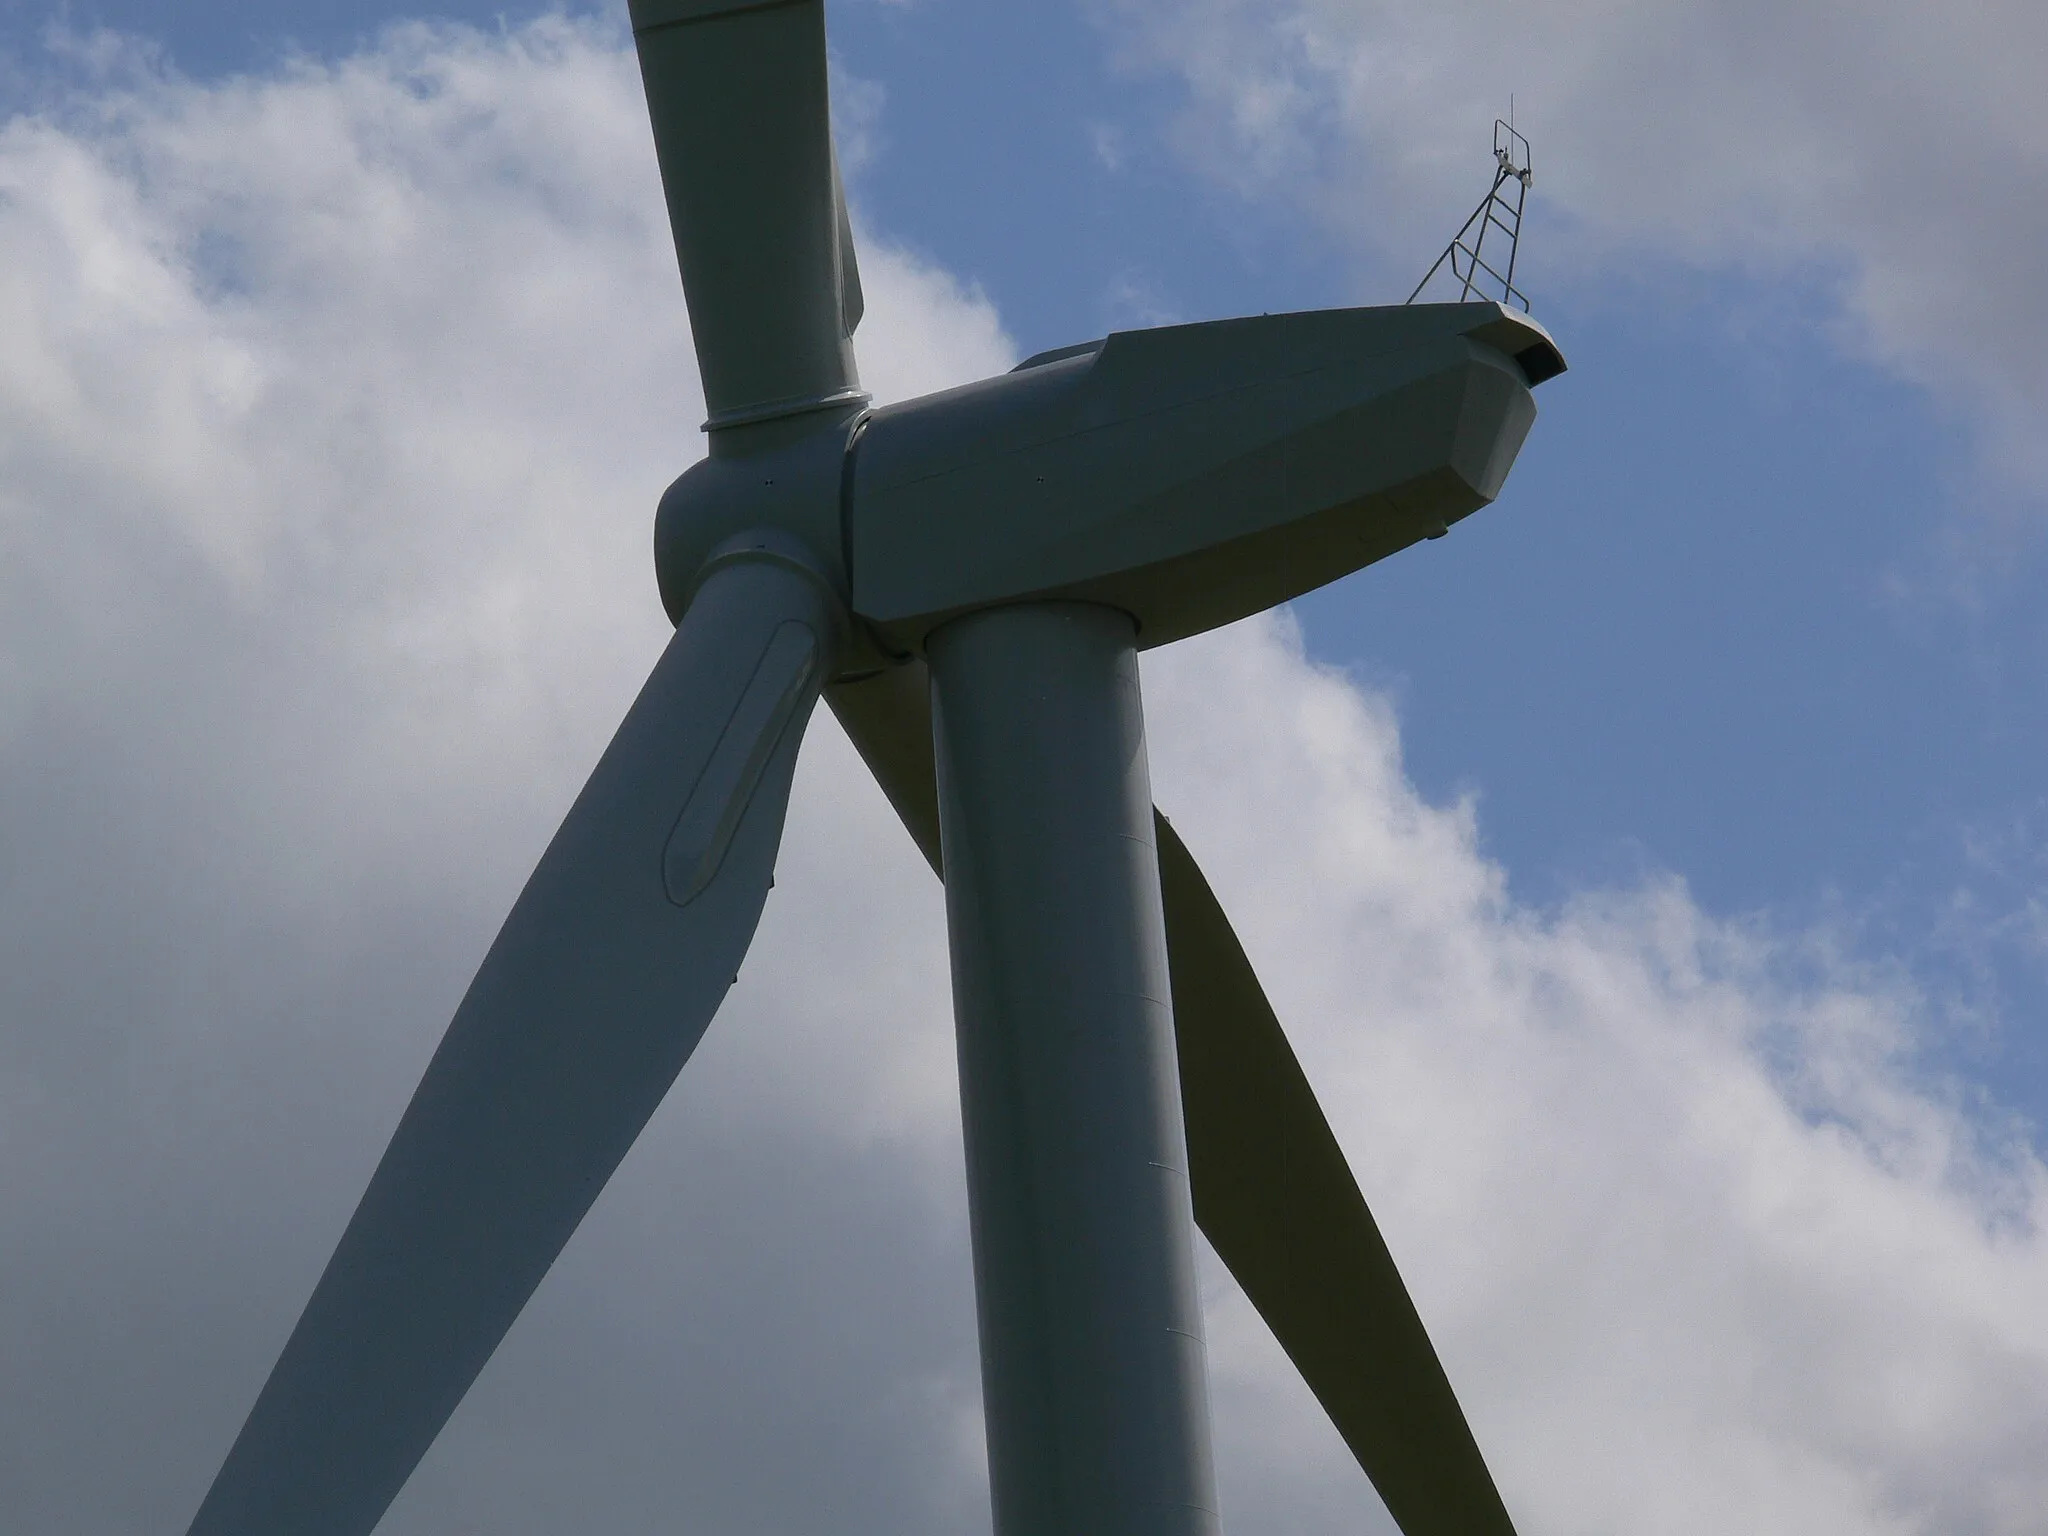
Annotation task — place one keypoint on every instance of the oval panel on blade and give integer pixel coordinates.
(712, 814)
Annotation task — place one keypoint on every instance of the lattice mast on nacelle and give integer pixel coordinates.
(1500, 209)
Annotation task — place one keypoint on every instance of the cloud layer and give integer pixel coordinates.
(1889, 157)
(332, 415)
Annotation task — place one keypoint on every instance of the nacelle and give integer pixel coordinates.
(1190, 475)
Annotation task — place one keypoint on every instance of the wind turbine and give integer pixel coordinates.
(966, 578)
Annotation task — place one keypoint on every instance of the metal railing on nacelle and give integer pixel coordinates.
(1500, 209)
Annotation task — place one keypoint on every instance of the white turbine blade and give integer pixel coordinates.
(736, 91)
(595, 993)
(1276, 1199)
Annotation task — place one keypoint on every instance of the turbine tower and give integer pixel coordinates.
(966, 579)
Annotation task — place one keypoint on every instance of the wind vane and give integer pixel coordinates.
(967, 579)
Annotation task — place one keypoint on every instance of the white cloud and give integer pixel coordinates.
(1703, 1251)
(332, 415)
(1888, 155)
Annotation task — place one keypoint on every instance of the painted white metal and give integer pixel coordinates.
(1093, 1371)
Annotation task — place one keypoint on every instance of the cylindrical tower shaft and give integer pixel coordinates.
(1093, 1366)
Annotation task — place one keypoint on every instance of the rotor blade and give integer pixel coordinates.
(736, 92)
(594, 994)
(888, 717)
(1276, 1199)
(1272, 1191)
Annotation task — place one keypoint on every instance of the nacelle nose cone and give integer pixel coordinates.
(786, 475)
(1192, 474)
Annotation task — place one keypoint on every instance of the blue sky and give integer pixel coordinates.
(1729, 620)
(1717, 625)
(1755, 609)
(1743, 677)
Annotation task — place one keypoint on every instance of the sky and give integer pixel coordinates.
(1652, 875)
